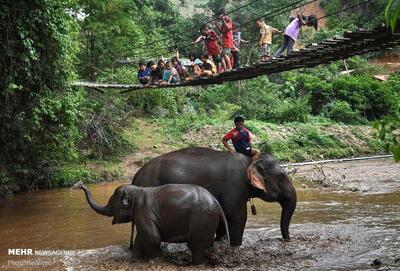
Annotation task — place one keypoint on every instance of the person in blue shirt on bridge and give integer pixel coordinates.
(144, 74)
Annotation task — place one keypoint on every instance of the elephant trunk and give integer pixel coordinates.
(96, 207)
(288, 206)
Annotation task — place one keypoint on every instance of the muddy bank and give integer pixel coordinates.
(371, 176)
(313, 247)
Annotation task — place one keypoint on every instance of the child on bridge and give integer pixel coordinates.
(292, 32)
(265, 40)
(143, 74)
(211, 38)
(237, 40)
(227, 39)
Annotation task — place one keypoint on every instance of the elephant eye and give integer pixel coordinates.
(125, 201)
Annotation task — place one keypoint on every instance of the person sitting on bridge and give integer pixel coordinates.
(170, 75)
(154, 73)
(143, 74)
(177, 64)
(292, 32)
(265, 40)
(193, 61)
(212, 46)
(241, 139)
(207, 69)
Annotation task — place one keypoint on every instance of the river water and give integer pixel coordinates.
(332, 229)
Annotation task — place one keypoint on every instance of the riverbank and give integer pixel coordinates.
(290, 142)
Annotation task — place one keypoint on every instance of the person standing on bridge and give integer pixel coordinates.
(237, 40)
(292, 32)
(227, 39)
(265, 40)
(211, 38)
(241, 139)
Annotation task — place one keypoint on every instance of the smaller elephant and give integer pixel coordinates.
(174, 213)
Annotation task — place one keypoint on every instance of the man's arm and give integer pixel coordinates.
(274, 30)
(300, 17)
(198, 39)
(230, 149)
(170, 78)
(224, 18)
(244, 41)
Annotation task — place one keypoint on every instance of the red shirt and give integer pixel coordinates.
(212, 43)
(227, 34)
(240, 139)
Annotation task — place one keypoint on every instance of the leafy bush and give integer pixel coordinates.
(370, 98)
(291, 110)
(340, 111)
(67, 176)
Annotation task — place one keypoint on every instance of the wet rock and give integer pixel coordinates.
(376, 262)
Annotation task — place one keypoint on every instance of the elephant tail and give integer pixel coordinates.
(222, 215)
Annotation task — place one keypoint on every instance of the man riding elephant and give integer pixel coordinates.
(241, 139)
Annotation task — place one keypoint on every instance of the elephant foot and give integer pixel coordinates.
(284, 240)
(135, 259)
(234, 251)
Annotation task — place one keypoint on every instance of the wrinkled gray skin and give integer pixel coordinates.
(174, 213)
(225, 176)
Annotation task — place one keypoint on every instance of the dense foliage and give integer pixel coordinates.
(39, 112)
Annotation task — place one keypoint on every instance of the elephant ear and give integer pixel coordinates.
(255, 178)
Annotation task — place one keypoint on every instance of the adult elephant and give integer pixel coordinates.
(225, 175)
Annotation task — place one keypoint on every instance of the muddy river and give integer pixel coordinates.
(345, 225)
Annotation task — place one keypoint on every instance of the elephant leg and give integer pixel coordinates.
(132, 230)
(201, 237)
(220, 231)
(198, 244)
(198, 254)
(236, 222)
(288, 207)
(138, 249)
(151, 240)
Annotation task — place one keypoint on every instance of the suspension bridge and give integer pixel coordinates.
(351, 44)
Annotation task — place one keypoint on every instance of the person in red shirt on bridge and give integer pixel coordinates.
(227, 39)
(211, 38)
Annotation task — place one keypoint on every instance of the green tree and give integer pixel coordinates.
(39, 112)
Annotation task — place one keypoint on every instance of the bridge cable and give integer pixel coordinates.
(278, 11)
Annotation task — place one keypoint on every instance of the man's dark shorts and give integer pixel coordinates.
(245, 152)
